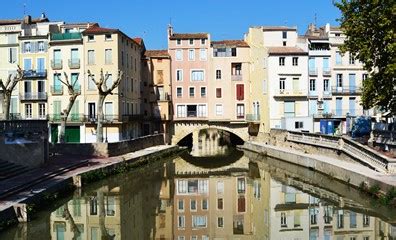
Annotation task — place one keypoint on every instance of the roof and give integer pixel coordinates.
(278, 28)
(96, 29)
(157, 53)
(286, 51)
(233, 43)
(188, 36)
(335, 28)
(138, 40)
(18, 21)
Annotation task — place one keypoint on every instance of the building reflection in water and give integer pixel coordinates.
(178, 199)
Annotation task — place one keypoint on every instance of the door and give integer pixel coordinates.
(352, 83)
(326, 106)
(352, 111)
(72, 134)
(27, 64)
(313, 104)
(108, 111)
(338, 106)
(54, 133)
(40, 65)
(57, 110)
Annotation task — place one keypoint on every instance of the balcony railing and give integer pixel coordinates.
(253, 117)
(57, 90)
(56, 64)
(313, 71)
(338, 113)
(160, 117)
(42, 73)
(346, 90)
(313, 93)
(74, 63)
(71, 118)
(65, 36)
(33, 96)
(236, 77)
(326, 94)
(164, 97)
(131, 117)
(326, 72)
(291, 93)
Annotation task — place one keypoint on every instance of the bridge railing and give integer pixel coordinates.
(349, 147)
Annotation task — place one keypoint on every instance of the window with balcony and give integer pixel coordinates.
(42, 112)
(218, 92)
(220, 203)
(312, 85)
(57, 88)
(218, 74)
(75, 83)
(27, 47)
(41, 46)
(241, 185)
(203, 92)
(283, 220)
(191, 91)
(219, 109)
(179, 92)
(27, 64)
(281, 61)
(179, 75)
(236, 69)
(240, 111)
(197, 75)
(282, 84)
(191, 54)
(28, 111)
(108, 56)
(203, 54)
(339, 80)
(326, 85)
(295, 61)
(91, 57)
(40, 66)
(240, 92)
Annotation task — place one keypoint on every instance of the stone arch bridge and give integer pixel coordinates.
(183, 129)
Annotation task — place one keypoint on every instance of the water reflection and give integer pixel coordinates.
(250, 198)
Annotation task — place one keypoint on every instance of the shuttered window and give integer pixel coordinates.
(240, 95)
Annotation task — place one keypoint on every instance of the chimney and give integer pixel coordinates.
(327, 28)
(43, 16)
(170, 30)
(27, 19)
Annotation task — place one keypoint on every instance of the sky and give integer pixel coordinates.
(223, 19)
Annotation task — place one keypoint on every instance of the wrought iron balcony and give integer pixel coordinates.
(291, 93)
(29, 96)
(71, 118)
(57, 90)
(347, 90)
(74, 63)
(56, 64)
(253, 117)
(313, 71)
(326, 72)
(28, 74)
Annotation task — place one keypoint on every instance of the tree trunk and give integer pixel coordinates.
(69, 217)
(102, 216)
(61, 136)
(6, 106)
(99, 127)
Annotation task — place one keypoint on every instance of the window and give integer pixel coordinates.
(191, 91)
(27, 47)
(203, 54)
(326, 85)
(338, 58)
(337, 34)
(181, 238)
(312, 85)
(218, 92)
(91, 83)
(191, 41)
(109, 80)
(108, 37)
(203, 41)
(28, 110)
(364, 76)
(352, 220)
(298, 125)
(289, 109)
(203, 92)
(179, 92)
(12, 56)
(220, 222)
(283, 220)
(181, 111)
(91, 38)
(179, 55)
(178, 42)
(281, 61)
(240, 111)
(199, 221)
(108, 56)
(351, 60)
(284, 34)
(91, 57)
(236, 69)
(93, 206)
(313, 216)
(41, 47)
(241, 204)
(180, 205)
(339, 80)
(197, 75)
(194, 237)
(220, 187)
(295, 61)
(110, 206)
(41, 110)
(191, 55)
(179, 75)
(240, 95)
(219, 109)
(257, 189)
(204, 204)
(220, 203)
(284, 43)
(218, 74)
(241, 185)
(340, 219)
(193, 205)
(366, 220)
(282, 83)
(202, 110)
(181, 223)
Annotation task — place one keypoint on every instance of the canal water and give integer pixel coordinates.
(238, 196)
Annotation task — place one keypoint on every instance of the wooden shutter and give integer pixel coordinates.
(240, 92)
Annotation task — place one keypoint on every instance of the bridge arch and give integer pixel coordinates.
(182, 130)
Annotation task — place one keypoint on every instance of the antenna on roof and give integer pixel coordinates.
(24, 9)
(316, 19)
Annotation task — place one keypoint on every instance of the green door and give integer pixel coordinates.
(54, 133)
(72, 134)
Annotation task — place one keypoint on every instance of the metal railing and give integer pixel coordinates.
(313, 71)
(163, 97)
(57, 90)
(339, 113)
(131, 117)
(236, 77)
(74, 63)
(106, 118)
(291, 92)
(33, 96)
(65, 36)
(346, 90)
(71, 118)
(56, 64)
(326, 72)
(253, 117)
(42, 73)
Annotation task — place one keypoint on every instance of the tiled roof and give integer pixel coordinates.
(188, 36)
(96, 29)
(233, 43)
(286, 51)
(157, 53)
(278, 28)
(335, 28)
(18, 21)
(138, 40)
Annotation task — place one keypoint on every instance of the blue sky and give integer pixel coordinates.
(223, 19)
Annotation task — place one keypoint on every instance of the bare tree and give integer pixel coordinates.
(102, 216)
(6, 90)
(73, 93)
(73, 226)
(103, 92)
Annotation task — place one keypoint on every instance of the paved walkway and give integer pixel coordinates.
(80, 165)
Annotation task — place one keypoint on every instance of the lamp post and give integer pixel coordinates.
(106, 141)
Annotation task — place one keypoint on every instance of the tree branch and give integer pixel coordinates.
(115, 84)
